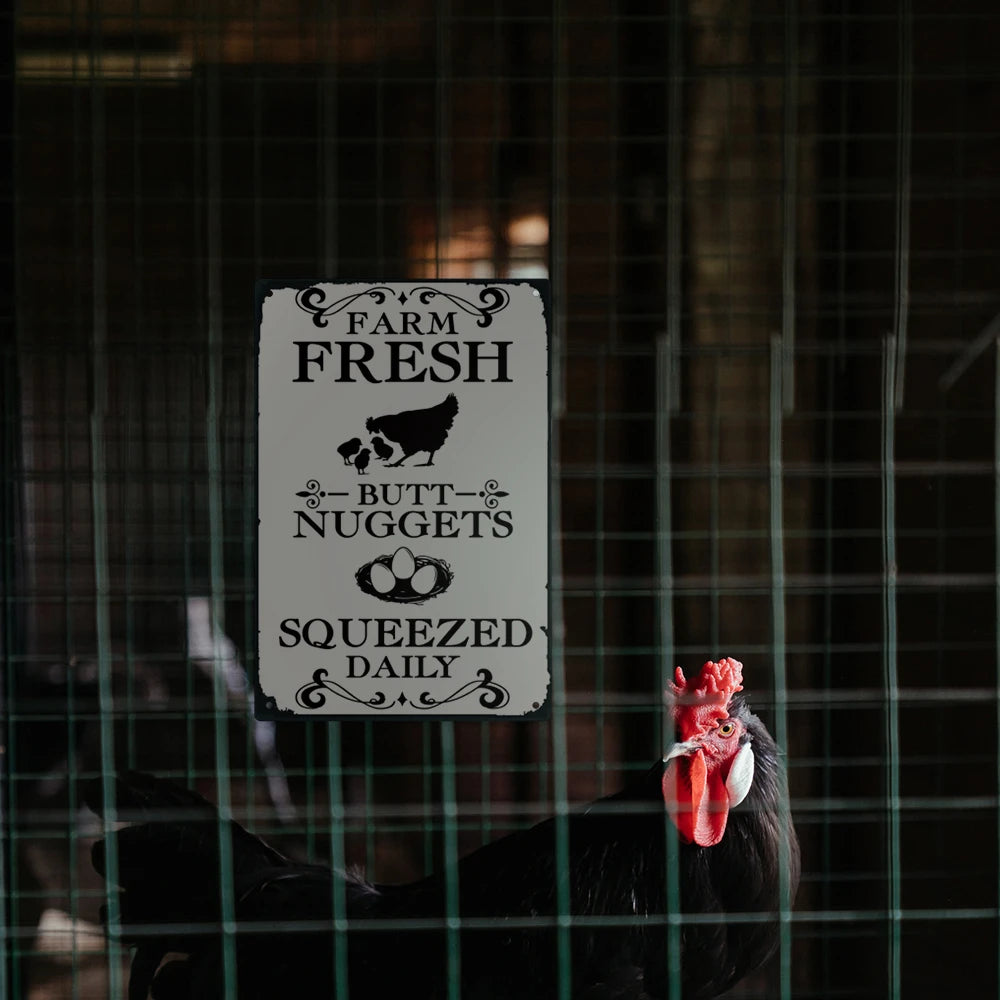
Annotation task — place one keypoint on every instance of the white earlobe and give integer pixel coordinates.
(740, 776)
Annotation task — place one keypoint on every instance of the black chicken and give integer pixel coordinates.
(169, 869)
(417, 430)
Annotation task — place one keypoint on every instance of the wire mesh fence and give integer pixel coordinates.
(771, 235)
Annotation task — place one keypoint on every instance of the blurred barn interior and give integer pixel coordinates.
(771, 231)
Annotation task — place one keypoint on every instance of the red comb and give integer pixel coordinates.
(699, 704)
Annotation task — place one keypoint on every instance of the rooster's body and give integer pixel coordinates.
(508, 892)
(417, 430)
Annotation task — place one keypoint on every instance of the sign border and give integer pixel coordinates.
(271, 713)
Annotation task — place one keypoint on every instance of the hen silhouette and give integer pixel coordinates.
(417, 430)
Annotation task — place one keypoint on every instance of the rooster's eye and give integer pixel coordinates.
(727, 729)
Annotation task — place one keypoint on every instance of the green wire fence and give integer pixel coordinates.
(770, 231)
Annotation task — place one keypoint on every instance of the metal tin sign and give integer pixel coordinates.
(402, 487)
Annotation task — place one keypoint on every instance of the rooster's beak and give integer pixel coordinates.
(681, 750)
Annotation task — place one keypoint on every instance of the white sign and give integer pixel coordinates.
(402, 485)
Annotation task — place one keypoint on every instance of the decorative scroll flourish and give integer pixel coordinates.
(493, 301)
(314, 695)
(492, 694)
(490, 492)
(313, 493)
(312, 300)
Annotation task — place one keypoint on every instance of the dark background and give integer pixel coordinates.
(745, 202)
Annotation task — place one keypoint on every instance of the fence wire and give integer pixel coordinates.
(770, 230)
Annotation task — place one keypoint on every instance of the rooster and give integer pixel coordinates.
(720, 787)
(417, 430)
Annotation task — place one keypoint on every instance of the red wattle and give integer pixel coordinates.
(696, 799)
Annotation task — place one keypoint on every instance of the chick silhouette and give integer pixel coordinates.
(383, 450)
(361, 460)
(349, 448)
